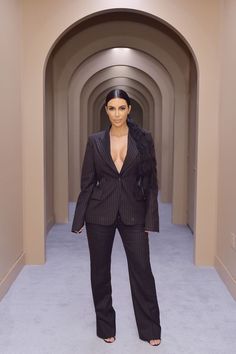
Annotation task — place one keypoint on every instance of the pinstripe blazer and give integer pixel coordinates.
(105, 190)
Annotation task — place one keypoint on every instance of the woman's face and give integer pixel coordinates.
(117, 110)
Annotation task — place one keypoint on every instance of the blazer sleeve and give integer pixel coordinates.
(152, 209)
(88, 180)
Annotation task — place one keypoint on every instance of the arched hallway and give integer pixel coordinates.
(182, 60)
(49, 308)
(154, 65)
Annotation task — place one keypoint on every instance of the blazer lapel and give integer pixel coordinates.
(104, 148)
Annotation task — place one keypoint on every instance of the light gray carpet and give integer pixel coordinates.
(49, 308)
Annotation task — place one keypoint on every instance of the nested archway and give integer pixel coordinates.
(168, 61)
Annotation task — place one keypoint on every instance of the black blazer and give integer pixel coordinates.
(104, 190)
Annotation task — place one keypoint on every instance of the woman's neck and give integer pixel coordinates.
(119, 131)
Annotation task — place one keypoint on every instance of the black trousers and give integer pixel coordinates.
(143, 290)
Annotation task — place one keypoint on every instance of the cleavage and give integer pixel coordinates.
(119, 147)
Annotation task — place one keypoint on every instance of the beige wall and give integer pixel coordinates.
(198, 23)
(11, 239)
(43, 23)
(226, 253)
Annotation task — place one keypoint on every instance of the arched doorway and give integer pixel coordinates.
(150, 52)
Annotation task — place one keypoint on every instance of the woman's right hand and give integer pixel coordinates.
(80, 230)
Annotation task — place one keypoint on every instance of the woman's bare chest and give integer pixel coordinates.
(118, 150)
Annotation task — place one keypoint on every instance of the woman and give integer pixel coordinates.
(119, 189)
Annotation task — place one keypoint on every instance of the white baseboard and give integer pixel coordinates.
(226, 276)
(11, 275)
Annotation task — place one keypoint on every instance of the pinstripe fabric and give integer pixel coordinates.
(105, 191)
(152, 210)
(142, 282)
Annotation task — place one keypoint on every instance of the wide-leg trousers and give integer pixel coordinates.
(142, 282)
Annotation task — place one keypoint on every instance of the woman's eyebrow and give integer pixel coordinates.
(118, 107)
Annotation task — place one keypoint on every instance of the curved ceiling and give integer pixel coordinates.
(89, 60)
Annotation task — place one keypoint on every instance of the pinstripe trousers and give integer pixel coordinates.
(142, 282)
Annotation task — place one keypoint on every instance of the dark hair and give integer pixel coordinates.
(117, 93)
(147, 162)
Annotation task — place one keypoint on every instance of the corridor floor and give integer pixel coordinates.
(49, 308)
